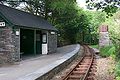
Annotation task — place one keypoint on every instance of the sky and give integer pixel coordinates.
(81, 3)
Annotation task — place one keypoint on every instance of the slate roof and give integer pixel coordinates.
(24, 19)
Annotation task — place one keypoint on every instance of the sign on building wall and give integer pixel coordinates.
(2, 24)
(44, 38)
(52, 32)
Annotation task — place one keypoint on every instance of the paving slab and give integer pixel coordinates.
(32, 68)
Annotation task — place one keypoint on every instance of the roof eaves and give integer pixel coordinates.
(26, 27)
(9, 22)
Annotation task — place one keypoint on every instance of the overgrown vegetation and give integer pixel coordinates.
(114, 26)
(95, 46)
(117, 70)
(107, 51)
(108, 6)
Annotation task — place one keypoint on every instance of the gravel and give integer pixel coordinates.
(66, 70)
(105, 69)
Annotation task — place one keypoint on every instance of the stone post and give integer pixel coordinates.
(104, 39)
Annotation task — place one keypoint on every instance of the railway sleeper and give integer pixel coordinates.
(86, 60)
(79, 72)
(91, 74)
(85, 63)
(91, 78)
(81, 69)
(93, 70)
(73, 77)
(83, 66)
(94, 67)
(88, 63)
(94, 61)
(87, 57)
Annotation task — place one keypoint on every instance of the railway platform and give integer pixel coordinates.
(42, 67)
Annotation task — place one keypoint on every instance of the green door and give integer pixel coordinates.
(27, 41)
(38, 42)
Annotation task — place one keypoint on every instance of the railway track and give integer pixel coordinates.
(85, 68)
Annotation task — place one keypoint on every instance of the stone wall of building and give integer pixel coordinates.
(9, 46)
(52, 42)
(16, 43)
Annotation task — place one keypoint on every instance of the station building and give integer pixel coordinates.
(22, 33)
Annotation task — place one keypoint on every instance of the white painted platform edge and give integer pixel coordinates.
(43, 70)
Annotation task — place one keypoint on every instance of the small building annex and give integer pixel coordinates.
(22, 33)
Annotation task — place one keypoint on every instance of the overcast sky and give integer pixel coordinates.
(81, 3)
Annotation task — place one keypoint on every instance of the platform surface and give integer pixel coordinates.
(32, 68)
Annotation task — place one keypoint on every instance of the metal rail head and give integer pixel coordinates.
(92, 57)
(67, 75)
(91, 54)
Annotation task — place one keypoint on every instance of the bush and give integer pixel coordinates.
(107, 51)
(94, 46)
(118, 78)
(117, 70)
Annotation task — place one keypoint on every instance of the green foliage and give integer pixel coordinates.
(110, 10)
(69, 20)
(95, 46)
(107, 51)
(97, 19)
(114, 26)
(117, 70)
(108, 6)
(117, 78)
(11, 3)
(74, 24)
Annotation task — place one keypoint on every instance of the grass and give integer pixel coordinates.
(95, 46)
(110, 51)
(107, 51)
(117, 70)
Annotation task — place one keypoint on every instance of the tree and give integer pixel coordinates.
(94, 20)
(70, 20)
(114, 26)
(11, 3)
(64, 14)
(108, 6)
(36, 7)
